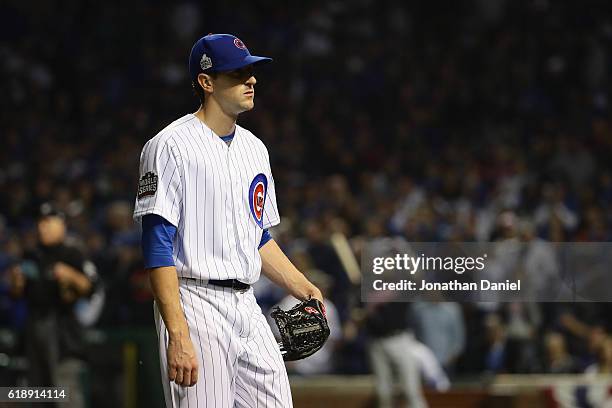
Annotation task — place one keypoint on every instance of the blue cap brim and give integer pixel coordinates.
(248, 60)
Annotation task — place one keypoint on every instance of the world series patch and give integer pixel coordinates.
(147, 185)
(257, 197)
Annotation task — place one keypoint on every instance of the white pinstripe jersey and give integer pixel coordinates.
(219, 197)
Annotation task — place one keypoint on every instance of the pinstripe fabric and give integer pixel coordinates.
(203, 189)
(240, 363)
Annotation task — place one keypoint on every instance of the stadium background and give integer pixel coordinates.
(429, 121)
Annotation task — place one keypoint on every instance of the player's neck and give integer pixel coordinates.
(214, 117)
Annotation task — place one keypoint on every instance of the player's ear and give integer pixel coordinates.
(205, 82)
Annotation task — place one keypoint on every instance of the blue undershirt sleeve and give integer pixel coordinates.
(265, 237)
(157, 237)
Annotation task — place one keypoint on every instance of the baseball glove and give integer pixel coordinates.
(303, 329)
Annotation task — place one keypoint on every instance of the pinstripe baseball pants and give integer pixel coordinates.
(240, 364)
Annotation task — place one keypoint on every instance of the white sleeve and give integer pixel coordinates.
(271, 216)
(159, 185)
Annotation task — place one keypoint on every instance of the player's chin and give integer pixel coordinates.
(247, 105)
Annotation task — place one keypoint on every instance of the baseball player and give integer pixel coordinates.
(206, 200)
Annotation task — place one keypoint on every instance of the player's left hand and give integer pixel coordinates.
(312, 292)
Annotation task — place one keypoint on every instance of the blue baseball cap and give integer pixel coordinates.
(220, 52)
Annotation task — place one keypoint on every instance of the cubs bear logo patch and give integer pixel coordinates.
(257, 197)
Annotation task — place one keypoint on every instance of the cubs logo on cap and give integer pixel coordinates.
(238, 43)
(257, 197)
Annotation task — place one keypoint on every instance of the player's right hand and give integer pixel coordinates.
(182, 361)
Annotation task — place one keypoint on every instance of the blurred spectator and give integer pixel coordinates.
(440, 326)
(324, 258)
(541, 271)
(496, 353)
(558, 360)
(604, 359)
(389, 351)
(522, 326)
(597, 337)
(553, 217)
(52, 278)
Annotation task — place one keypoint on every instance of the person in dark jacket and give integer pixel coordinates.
(51, 278)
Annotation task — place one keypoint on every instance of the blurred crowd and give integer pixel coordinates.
(468, 123)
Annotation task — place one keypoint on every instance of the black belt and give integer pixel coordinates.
(227, 283)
